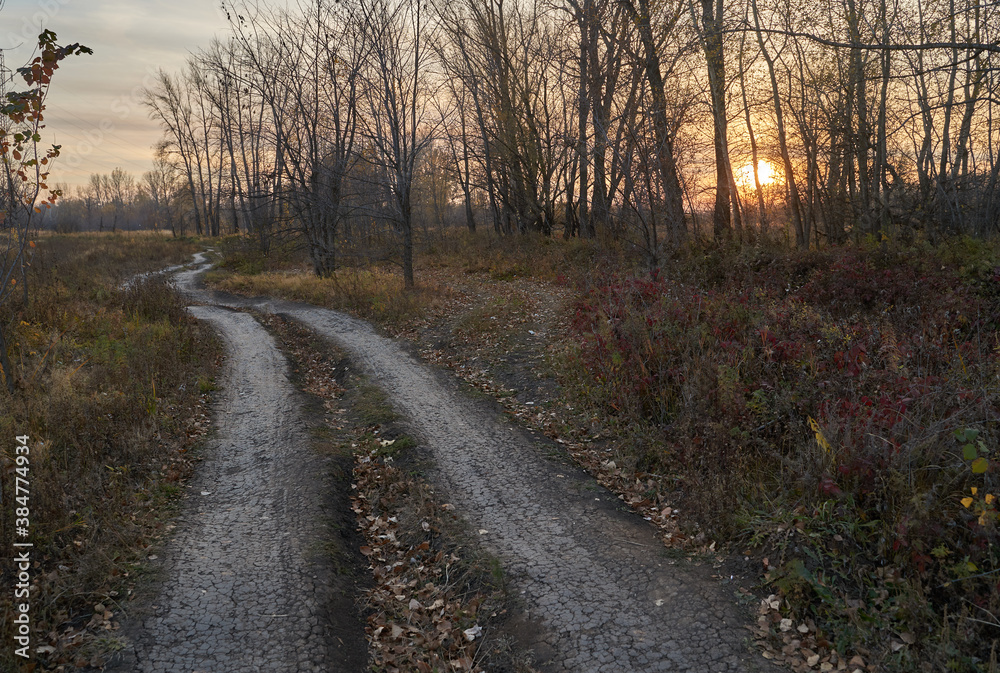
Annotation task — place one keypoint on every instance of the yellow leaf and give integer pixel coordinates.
(820, 438)
(967, 502)
(982, 519)
(974, 490)
(990, 498)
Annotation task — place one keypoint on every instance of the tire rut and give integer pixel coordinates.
(599, 589)
(246, 584)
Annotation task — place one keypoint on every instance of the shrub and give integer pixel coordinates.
(824, 386)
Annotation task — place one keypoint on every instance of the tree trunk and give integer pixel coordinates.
(801, 241)
(711, 18)
(672, 194)
(470, 216)
(582, 214)
(762, 213)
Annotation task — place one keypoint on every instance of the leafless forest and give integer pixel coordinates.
(630, 119)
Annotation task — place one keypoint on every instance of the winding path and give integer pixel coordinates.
(599, 591)
(596, 582)
(246, 584)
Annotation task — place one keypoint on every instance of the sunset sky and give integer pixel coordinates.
(94, 109)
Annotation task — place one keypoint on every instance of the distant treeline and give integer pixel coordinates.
(116, 201)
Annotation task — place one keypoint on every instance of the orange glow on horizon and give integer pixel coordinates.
(766, 173)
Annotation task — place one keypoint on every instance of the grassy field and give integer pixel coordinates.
(831, 416)
(376, 293)
(111, 390)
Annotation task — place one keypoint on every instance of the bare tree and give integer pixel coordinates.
(397, 120)
(673, 207)
(160, 184)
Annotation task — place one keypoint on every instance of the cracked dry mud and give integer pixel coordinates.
(598, 589)
(245, 586)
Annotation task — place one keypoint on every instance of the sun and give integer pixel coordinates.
(765, 173)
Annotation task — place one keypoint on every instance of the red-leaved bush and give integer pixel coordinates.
(887, 354)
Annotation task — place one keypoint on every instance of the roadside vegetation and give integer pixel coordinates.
(828, 418)
(836, 411)
(111, 386)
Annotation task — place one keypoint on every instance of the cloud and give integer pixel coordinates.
(94, 105)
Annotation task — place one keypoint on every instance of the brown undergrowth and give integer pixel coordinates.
(112, 388)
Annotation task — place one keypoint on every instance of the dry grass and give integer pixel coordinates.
(109, 388)
(509, 257)
(377, 294)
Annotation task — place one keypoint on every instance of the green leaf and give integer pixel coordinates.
(971, 434)
(969, 452)
(980, 465)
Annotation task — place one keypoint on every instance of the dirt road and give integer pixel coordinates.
(246, 587)
(599, 590)
(596, 579)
